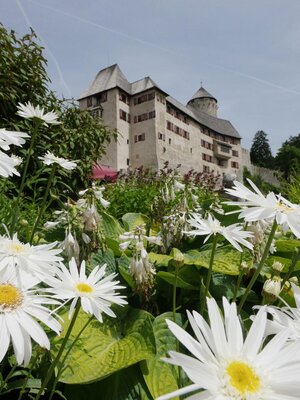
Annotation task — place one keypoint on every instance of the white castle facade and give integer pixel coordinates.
(154, 127)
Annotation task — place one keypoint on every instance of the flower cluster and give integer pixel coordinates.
(140, 266)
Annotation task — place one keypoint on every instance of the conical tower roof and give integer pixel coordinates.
(203, 94)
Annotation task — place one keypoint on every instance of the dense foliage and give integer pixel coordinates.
(260, 152)
(79, 136)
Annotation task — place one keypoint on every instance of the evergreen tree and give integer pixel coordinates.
(260, 153)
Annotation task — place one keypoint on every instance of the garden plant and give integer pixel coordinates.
(156, 286)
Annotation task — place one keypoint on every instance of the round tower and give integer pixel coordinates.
(205, 102)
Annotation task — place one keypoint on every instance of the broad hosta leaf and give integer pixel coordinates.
(105, 257)
(123, 265)
(126, 384)
(162, 378)
(160, 259)
(285, 261)
(132, 220)
(287, 245)
(180, 283)
(108, 347)
(111, 226)
(226, 261)
(224, 285)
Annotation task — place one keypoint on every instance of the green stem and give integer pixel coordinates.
(43, 205)
(22, 391)
(59, 370)
(209, 273)
(62, 347)
(7, 377)
(291, 268)
(238, 284)
(174, 292)
(24, 174)
(259, 267)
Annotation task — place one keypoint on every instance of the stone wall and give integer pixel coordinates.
(266, 174)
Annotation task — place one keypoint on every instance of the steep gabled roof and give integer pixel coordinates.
(202, 94)
(218, 125)
(143, 84)
(107, 78)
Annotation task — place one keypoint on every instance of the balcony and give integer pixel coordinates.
(222, 151)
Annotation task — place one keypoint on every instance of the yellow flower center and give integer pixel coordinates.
(16, 248)
(84, 288)
(243, 378)
(10, 296)
(283, 207)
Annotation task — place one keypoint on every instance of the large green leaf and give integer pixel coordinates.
(127, 384)
(283, 260)
(132, 220)
(108, 347)
(226, 261)
(160, 259)
(180, 283)
(111, 226)
(161, 377)
(105, 257)
(287, 245)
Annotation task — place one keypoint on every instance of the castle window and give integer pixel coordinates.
(143, 98)
(169, 141)
(161, 136)
(234, 164)
(206, 168)
(89, 101)
(124, 115)
(127, 162)
(139, 138)
(191, 150)
(101, 98)
(97, 113)
(207, 157)
(123, 97)
(235, 153)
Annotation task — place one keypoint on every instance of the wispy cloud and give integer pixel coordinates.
(161, 48)
(56, 63)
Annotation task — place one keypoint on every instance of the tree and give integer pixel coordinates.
(79, 137)
(260, 153)
(288, 160)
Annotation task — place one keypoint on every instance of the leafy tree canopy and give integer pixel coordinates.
(288, 160)
(79, 137)
(260, 153)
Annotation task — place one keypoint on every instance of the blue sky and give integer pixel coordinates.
(246, 52)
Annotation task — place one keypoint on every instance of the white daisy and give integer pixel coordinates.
(285, 318)
(227, 367)
(8, 138)
(19, 309)
(28, 111)
(259, 207)
(24, 259)
(50, 158)
(8, 164)
(96, 292)
(211, 226)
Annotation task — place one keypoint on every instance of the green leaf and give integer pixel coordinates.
(132, 220)
(160, 259)
(180, 283)
(105, 257)
(224, 285)
(226, 261)
(285, 261)
(123, 266)
(106, 348)
(161, 378)
(286, 247)
(111, 226)
(126, 384)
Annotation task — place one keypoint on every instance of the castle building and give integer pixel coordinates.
(154, 127)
